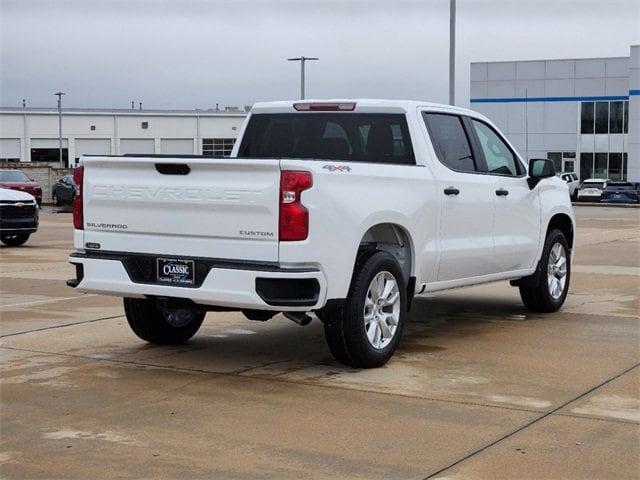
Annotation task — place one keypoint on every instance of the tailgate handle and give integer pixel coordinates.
(173, 168)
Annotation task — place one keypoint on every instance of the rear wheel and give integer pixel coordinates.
(553, 284)
(161, 325)
(367, 329)
(14, 239)
(56, 200)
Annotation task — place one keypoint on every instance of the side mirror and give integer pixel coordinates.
(540, 168)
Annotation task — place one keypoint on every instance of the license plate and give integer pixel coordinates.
(175, 271)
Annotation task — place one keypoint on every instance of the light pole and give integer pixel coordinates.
(302, 60)
(59, 95)
(452, 52)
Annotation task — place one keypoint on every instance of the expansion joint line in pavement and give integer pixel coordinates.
(530, 423)
(59, 326)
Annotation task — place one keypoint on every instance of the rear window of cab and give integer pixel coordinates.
(350, 137)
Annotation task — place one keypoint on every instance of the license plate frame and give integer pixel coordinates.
(176, 271)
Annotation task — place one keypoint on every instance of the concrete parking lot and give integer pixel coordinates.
(479, 388)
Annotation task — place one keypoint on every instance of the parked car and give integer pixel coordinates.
(343, 210)
(591, 189)
(573, 183)
(63, 191)
(621, 192)
(18, 216)
(18, 180)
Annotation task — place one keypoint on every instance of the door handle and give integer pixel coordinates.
(451, 191)
(501, 192)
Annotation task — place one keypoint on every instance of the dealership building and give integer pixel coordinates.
(582, 113)
(31, 134)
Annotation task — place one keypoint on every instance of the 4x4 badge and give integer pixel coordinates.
(337, 168)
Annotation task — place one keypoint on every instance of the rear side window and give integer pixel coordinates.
(354, 137)
(498, 157)
(450, 141)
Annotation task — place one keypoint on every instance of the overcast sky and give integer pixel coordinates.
(196, 53)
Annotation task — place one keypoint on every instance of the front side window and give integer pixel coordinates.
(450, 141)
(498, 157)
(355, 137)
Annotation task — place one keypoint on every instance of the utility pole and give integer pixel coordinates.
(302, 61)
(59, 95)
(526, 123)
(452, 52)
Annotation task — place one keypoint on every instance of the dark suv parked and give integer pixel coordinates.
(63, 191)
(621, 192)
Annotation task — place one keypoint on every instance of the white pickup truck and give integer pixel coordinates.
(341, 210)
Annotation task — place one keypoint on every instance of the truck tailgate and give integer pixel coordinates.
(222, 208)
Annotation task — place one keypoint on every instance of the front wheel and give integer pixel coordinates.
(551, 291)
(366, 331)
(14, 239)
(162, 325)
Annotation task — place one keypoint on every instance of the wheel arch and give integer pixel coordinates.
(394, 239)
(564, 223)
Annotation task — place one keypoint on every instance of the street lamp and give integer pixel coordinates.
(59, 95)
(302, 61)
(452, 52)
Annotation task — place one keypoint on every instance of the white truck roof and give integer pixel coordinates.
(369, 105)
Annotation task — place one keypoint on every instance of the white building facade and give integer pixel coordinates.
(31, 134)
(582, 113)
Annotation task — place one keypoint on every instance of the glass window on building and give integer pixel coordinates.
(563, 161)
(625, 123)
(568, 161)
(557, 159)
(615, 166)
(587, 117)
(600, 165)
(616, 117)
(217, 147)
(586, 165)
(602, 117)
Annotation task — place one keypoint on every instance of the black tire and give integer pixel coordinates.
(56, 200)
(150, 323)
(345, 329)
(14, 239)
(539, 298)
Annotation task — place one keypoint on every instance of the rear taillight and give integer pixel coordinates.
(294, 217)
(78, 216)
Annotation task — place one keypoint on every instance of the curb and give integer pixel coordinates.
(605, 205)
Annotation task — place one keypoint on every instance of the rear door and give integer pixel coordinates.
(516, 226)
(194, 207)
(466, 220)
